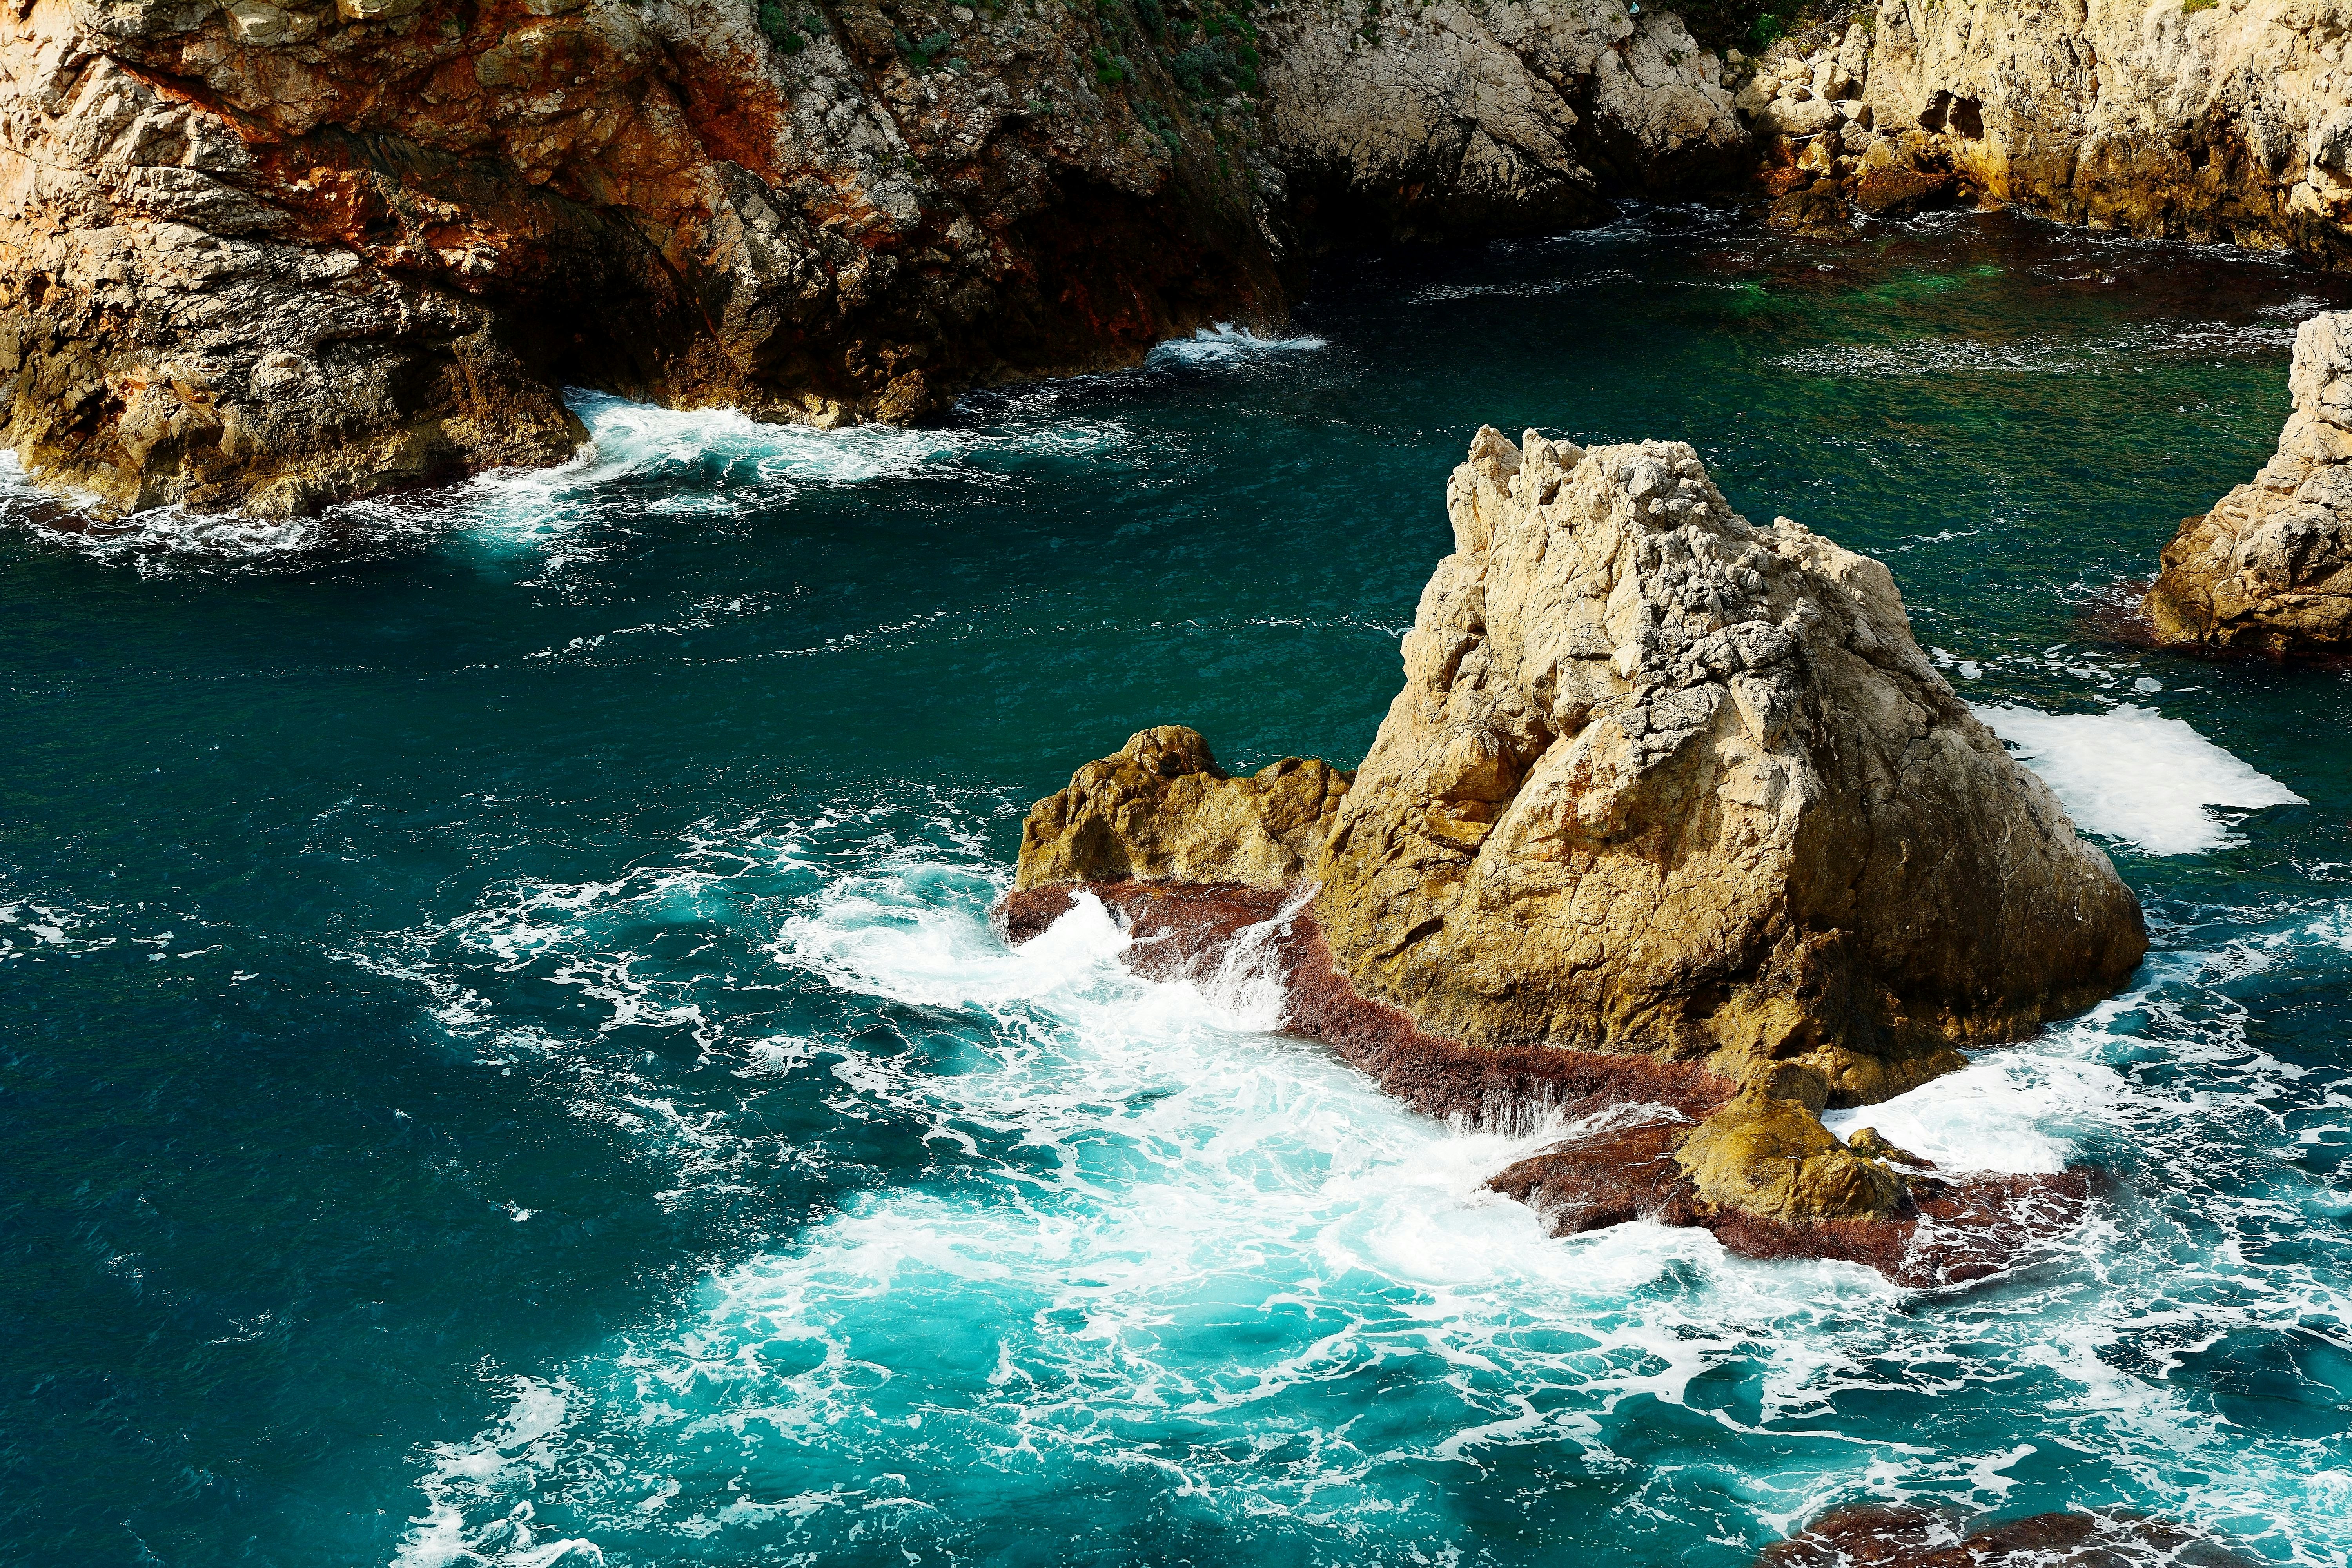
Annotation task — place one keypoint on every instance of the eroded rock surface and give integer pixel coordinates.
(1455, 120)
(269, 256)
(1161, 809)
(2229, 122)
(278, 255)
(1661, 780)
(2269, 569)
(1671, 818)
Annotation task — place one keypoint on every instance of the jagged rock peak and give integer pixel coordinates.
(2270, 567)
(1661, 781)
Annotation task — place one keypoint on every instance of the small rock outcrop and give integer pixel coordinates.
(2269, 569)
(1162, 810)
(1906, 1535)
(1661, 780)
(1672, 816)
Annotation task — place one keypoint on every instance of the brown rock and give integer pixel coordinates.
(1161, 808)
(2269, 569)
(1774, 1159)
(1905, 1536)
(1662, 782)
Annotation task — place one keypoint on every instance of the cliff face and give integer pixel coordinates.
(1513, 116)
(2269, 569)
(2228, 122)
(272, 256)
(282, 256)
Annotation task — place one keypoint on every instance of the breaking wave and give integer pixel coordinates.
(1183, 1285)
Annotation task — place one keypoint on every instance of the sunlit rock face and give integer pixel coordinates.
(2269, 569)
(1660, 781)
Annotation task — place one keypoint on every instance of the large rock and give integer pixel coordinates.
(1664, 792)
(2229, 122)
(1162, 810)
(2270, 567)
(1660, 781)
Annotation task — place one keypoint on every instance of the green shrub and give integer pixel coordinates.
(784, 28)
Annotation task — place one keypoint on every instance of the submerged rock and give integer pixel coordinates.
(1662, 782)
(2269, 569)
(1664, 791)
(1907, 1536)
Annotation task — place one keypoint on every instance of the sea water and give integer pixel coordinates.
(505, 1061)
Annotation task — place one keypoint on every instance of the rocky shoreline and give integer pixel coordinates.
(1673, 839)
(265, 257)
(1621, 1166)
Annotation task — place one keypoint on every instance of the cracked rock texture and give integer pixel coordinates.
(2269, 569)
(1469, 120)
(2230, 121)
(269, 256)
(1660, 781)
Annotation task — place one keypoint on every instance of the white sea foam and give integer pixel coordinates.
(1164, 1259)
(640, 460)
(2134, 775)
(1225, 343)
(2039, 355)
(2008, 1110)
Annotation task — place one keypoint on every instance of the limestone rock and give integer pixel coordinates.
(1161, 809)
(1774, 1159)
(2207, 123)
(1461, 119)
(1660, 781)
(2270, 568)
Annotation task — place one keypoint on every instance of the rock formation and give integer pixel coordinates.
(280, 254)
(1162, 809)
(2269, 569)
(271, 255)
(1466, 120)
(2211, 121)
(1671, 811)
(1661, 780)
(1906, 1535)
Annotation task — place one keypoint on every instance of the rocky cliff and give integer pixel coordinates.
(1661, 788)
(2269, 569)
(278, 255)
(2228, 121)
(273, 255)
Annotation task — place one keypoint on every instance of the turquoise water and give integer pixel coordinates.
(505, 1061)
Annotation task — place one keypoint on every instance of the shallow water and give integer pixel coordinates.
(505, 1061)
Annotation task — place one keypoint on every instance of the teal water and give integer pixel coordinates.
(505, 1061)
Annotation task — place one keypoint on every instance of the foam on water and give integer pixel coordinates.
(639, 460)
(2039, 355)
(1181, 1286)
(2134, 775)
(1225, 344)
